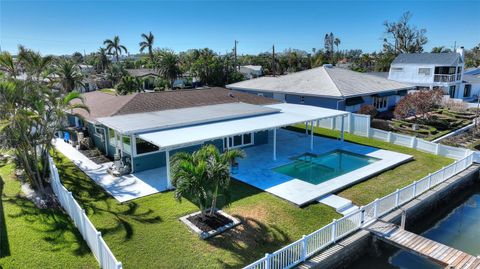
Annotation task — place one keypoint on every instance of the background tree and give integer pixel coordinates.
(129, 84)
(401, 37)
(36, 66)
(77, 57)
(147, 43)
(368, 110)
(69, 75)
(203, 176)
(417, 104)
(329, 45)
(440, 49)
(102, 59)
(115, 72)
(114, 47)
(8, 64)
(167, 64)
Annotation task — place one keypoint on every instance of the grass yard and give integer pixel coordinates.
(146, 232)
(386, 182)
(34, 238)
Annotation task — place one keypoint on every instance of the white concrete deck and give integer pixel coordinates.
(124, 188)
(256, 168)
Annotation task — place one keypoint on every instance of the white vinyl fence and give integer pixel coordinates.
(308, 245)
(360, 125)
(94, 239)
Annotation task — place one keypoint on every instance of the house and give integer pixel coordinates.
(144, 129)
(147, 75)
(251, 71)
(328, 86)
(431, 71)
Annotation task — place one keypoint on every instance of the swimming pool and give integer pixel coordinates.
(316, 169)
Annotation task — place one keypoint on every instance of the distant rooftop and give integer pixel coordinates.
(103, 104)
(324, 81)
(445, 59)
(141, 72)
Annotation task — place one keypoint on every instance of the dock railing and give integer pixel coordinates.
(90, 234)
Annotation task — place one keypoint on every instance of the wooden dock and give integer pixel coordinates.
(441, 254)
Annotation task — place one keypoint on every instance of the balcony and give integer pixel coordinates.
(444, 78)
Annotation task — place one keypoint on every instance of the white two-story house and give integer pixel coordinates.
(432, 71)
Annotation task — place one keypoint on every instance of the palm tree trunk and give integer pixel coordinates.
(214, 202)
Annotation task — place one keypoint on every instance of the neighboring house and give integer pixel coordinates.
(329, 87)
(147, 75)
(251, 71)
(471, 85)
(431, 71)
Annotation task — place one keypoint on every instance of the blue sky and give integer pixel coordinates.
(63, 27)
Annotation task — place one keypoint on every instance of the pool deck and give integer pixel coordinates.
(257, 168)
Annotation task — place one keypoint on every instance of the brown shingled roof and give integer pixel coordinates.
(104, 104)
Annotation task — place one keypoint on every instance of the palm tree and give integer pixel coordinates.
(167, 63)
(129, 84)
(115, 72)
(203, 176)
(69, 75)
(35, 65)
(336, 42)
(8, 64)
(147, 43)
(114, 47)
(102, 58)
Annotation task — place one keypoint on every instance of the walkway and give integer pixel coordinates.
(124, 188)
(436, 252)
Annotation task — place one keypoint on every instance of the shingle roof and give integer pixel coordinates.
(104, 104)
(322, 81)
(471, 78)
(450, 58)
(141, 72)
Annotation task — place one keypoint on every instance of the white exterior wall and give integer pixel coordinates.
(409, 74)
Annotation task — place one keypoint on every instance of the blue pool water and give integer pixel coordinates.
(316, 169)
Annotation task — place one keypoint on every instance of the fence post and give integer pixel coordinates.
(351, 124)
(375, 207)
(415, 188)
(69, 204)
(443, 173)
(83, 229)
(397, 197)
(369, 132)
(304, 247)
(414, 142)
(267, 261)
(437, 149)
(362, 216)
(334, 230)
(100, 253)
(429, 180)
(389, 137)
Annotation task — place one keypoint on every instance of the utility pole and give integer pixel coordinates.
(235, 53)
(273, 60)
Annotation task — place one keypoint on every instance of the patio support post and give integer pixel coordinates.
(167, 166)
(311, 135)
(275, 144)
(306, 127)
(342, 128)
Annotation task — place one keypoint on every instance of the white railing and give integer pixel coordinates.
(308, 245)
(444, 78)
(94, 239)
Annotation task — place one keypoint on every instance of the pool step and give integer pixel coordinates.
(341, 205)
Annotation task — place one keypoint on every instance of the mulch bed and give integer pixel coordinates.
(209, 223)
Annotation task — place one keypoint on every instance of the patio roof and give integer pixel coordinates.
(289, 114)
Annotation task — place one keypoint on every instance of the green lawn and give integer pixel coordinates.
(387, 182)
(34, 238)
(146, 232)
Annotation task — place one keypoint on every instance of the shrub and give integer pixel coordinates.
(368, 110)
(418, 103)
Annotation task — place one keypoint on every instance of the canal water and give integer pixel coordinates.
(458, 227)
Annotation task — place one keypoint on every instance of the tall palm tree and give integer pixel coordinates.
(203, 176)
(129, 84)
(69, 75)
(35, 65)
(167, 63)
(8, 64)
(147, 43)
(102, 58)
(337, 42)
(114, 47)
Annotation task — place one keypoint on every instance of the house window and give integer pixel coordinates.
(396, 69)
(98, 131)
(238, 141)
(459, 73)
(111, 137)
(451, 91)
(380, 102)
(144, 147)
(126, 144)
(467, 91)
(424, 71)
